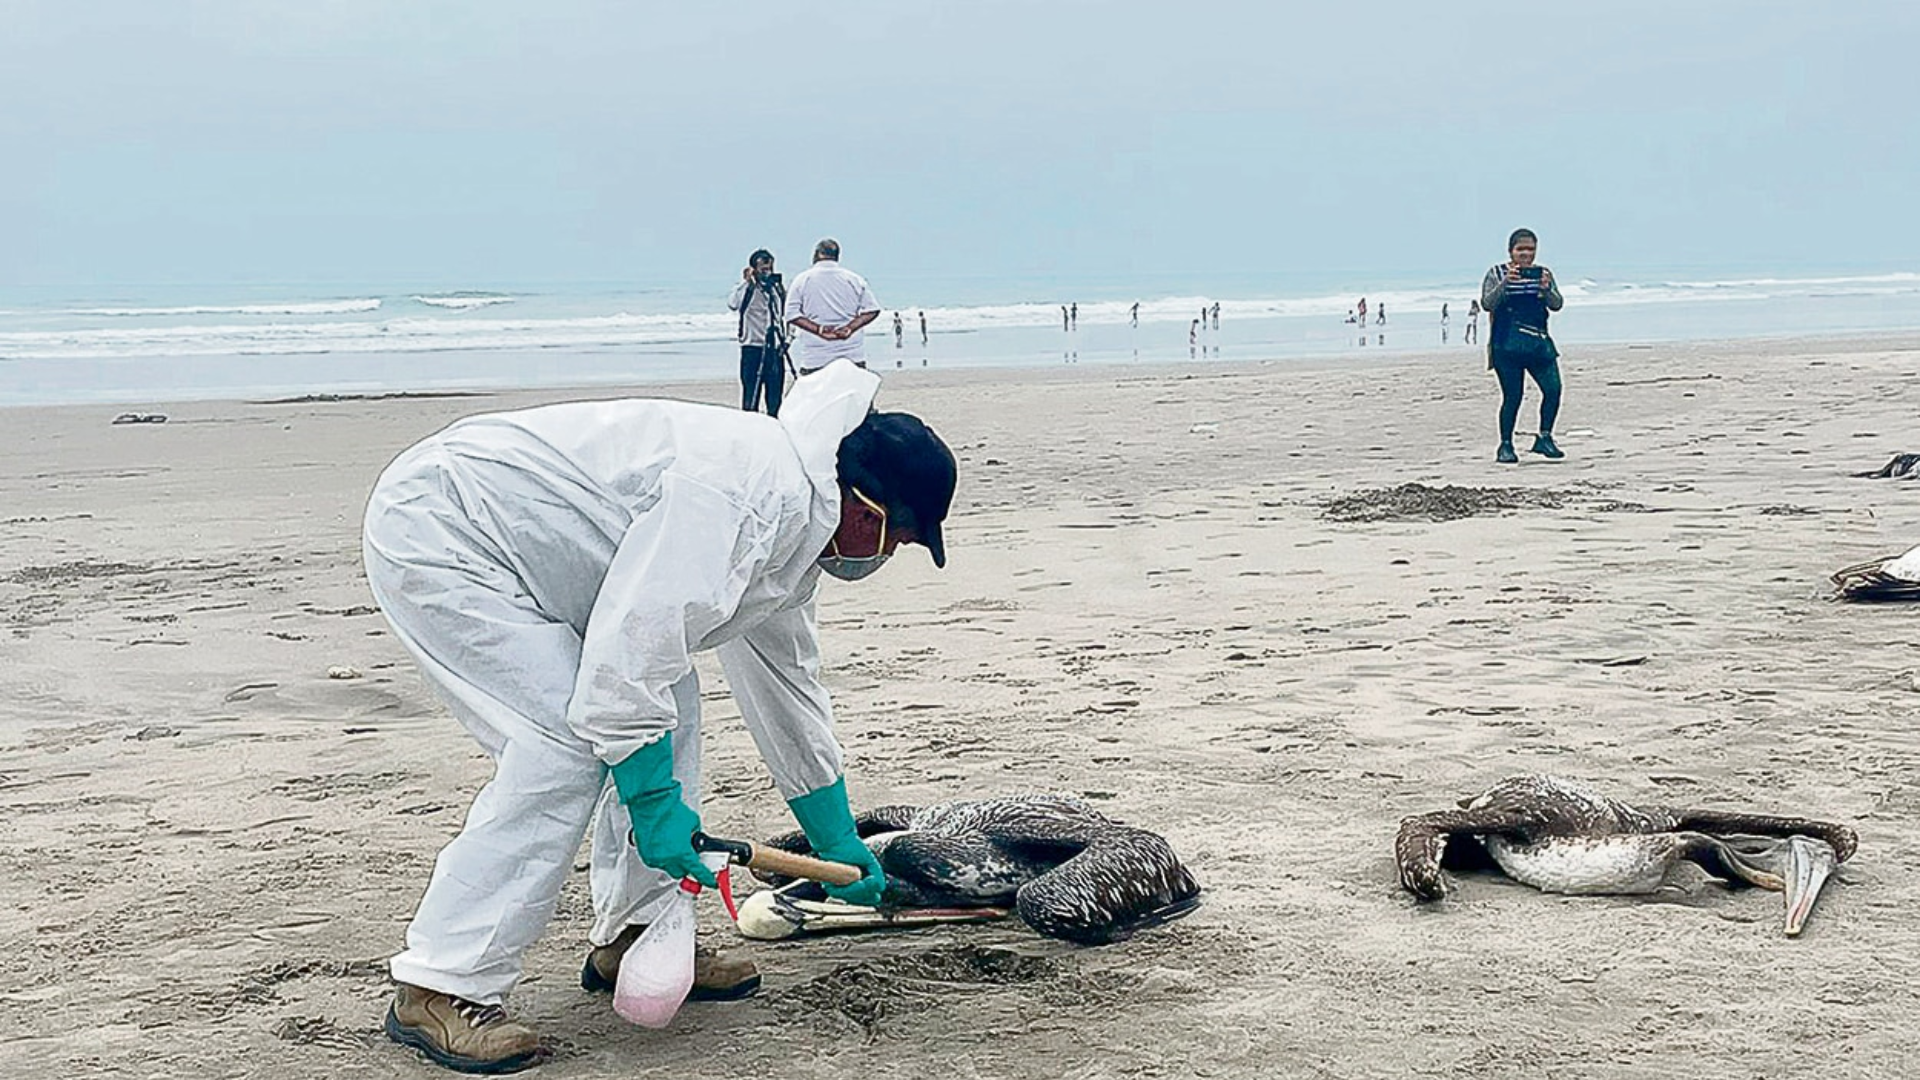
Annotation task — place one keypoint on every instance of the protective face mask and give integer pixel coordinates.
(847, 568)
(850, 568)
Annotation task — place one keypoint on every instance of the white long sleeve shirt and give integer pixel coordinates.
(760, 313)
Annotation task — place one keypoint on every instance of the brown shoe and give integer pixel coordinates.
(715, 977)
(462, 1035)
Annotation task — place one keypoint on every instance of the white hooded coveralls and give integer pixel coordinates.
(553, 571)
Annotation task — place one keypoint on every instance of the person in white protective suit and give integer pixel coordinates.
(553, 571)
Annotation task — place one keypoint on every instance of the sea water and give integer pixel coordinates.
(181, 342)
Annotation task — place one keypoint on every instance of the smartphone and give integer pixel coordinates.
(1530, 273)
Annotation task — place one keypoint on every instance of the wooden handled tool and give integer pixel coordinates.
(774, 861)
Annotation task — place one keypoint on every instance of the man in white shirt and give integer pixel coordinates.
(830, 306)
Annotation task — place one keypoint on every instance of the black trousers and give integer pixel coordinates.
(1512, 372)
(761, 367)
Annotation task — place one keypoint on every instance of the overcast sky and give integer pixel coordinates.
(485, 141)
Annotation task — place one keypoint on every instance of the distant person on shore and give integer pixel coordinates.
(1073, 315)
(1349, 316)
(1064, 325)
(1381, 319)
(899, 332)
(1518, 294)
(923, 328)
(1193, 336)
(761, 300)
(1473, 323)
(1363, 311)
(1136, 315)
(1216, 314)
(1443, 316)
(831, 307)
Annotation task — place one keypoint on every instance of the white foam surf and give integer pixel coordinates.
(316, 307)
(464, 301)
(473, 320)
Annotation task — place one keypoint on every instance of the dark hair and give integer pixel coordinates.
(827, 249)
(1519, 235)
(763, 253)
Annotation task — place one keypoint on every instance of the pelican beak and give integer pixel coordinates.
(1797, 867)
(1809, 864)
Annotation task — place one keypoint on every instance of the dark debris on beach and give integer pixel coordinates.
(1419, 502)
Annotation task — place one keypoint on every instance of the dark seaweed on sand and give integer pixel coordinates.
(1418, 502)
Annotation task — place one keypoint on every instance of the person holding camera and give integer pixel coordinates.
(761, 300)
(1517, 296)
(831, 306)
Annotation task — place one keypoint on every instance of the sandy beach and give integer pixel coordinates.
(210, 847)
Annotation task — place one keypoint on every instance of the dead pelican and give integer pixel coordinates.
(1560, 836)
(1070, 871)
(1896, 577)
(1902, 467)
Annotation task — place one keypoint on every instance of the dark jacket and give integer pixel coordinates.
(1517, 316)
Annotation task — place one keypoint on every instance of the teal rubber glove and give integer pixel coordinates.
(663, 824)
(828, 822)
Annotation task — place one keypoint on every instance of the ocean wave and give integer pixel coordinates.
(464, 301)
(478, 320)
(1742, 290)
(1896, 279)
(316, 307)
(393, 335)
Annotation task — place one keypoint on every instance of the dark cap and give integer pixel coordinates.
(900, 463)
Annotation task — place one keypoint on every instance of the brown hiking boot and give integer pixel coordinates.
(715, 977)
(460, 1034)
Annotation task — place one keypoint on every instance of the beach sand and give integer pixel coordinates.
(210, 846)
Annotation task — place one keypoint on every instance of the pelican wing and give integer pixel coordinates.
(1121, 881)
(885, 819)
(1423, 841)
(1039, 825)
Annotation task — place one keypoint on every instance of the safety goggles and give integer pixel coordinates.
(878, 509)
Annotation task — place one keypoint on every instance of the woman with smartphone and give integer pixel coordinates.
(1517, 296)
